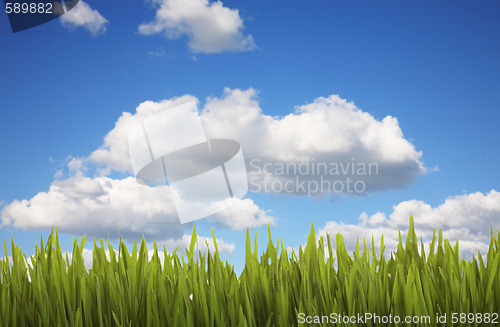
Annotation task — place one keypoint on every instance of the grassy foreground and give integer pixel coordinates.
(273, 289)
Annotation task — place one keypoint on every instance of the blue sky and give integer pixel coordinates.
(433, 67)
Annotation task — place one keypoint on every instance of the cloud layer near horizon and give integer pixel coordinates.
(95, 206)
(467, 217)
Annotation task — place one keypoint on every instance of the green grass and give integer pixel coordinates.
(199, 289)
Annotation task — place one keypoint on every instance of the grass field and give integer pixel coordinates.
(276, 288)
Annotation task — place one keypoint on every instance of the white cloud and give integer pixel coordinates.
(328, 125)
(210, 26)
(466, 217)
(96, 206)
(114, 152)
(84, 16)
(328, 130)
(242, 214)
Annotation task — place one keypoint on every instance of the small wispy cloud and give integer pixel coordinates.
(160, 54)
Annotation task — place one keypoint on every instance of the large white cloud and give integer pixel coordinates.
(96, 206)
(466, 217)
(334, 141)
(84, 16)
(210, 27)
(328, 131)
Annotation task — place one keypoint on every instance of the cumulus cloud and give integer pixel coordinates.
(98, 205)
(242, 214)
(466, 217)
(113, 153)
(324, 147)
(210, 26)
(84, 16)
(329, 129)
